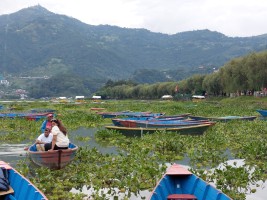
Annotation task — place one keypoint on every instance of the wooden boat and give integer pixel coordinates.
(169, 123)
(223, 119)
(28, 116)
(129, 121)
(162, 117)
(56, 159)
(128, 114)
(41, 110)
(139, 131)
(180, 184)
(132, 121)
(97, 109)
(19, 187)
(262, 112)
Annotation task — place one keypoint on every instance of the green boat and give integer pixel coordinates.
(139, 131)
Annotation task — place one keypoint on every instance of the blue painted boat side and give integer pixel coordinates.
(167, 123)
(224, 119)
(262, 112)
(129, 114)
(23, 188)
(186, 184)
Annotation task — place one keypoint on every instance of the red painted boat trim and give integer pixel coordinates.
(176, 169)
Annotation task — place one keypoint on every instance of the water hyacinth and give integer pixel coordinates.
(138, 163)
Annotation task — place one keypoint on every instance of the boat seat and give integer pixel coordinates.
(181, 197)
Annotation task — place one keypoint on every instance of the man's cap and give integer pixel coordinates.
(50, 115)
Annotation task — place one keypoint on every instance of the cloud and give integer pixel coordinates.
(233, 18)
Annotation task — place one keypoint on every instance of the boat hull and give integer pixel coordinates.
(128, 114)
(262, 112)
(132, 121)
(139, 131)
(179, 183)
(223, 119)
(21, 188)
(169, 124)
(56, 159)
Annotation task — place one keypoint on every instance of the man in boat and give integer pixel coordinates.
(44, 138)
(47, 123)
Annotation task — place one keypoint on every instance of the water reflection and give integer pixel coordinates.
(12, 153)
(85, 132)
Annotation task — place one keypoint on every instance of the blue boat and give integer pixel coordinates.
(180, 184)
(28, 116)
(223, 119)
(19, 188)
(169, 123)
(132, 121)
(128, 114)
(262, 112)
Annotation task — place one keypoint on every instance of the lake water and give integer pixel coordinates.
(12, 153)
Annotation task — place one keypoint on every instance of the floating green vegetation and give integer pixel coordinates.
(140, 161)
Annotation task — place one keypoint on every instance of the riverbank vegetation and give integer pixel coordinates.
(245, 74)
(138, 163)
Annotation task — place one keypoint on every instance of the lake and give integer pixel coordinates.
(12, 153)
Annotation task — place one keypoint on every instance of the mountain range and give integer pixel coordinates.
(37, 42)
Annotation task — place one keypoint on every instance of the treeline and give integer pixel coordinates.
(247, 73)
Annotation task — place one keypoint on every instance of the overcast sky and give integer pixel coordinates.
(230, 17)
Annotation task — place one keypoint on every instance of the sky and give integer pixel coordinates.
(233, 18)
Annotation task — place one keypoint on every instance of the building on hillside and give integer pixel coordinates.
(3, 81)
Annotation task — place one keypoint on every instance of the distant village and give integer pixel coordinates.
(20, 93)
(23, 94)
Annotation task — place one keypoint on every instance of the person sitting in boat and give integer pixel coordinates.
(60, 139)
(44, 138)
(47, 123)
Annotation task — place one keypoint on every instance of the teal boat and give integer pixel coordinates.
(180, 184)
(14, 186)
(223, 119)
(262, 112)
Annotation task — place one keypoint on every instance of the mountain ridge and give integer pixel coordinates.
(36, 41)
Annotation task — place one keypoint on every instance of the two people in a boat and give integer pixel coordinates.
(56, 138)
(60, 139)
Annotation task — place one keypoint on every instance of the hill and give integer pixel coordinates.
(38, 42)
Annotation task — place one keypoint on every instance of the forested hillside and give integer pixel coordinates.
(36, 42)
(245, 74)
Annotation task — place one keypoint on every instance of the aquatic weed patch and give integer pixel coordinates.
(140, 162)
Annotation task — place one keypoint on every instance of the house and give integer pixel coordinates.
(96, 98)
(79, 98)
(197, 98)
